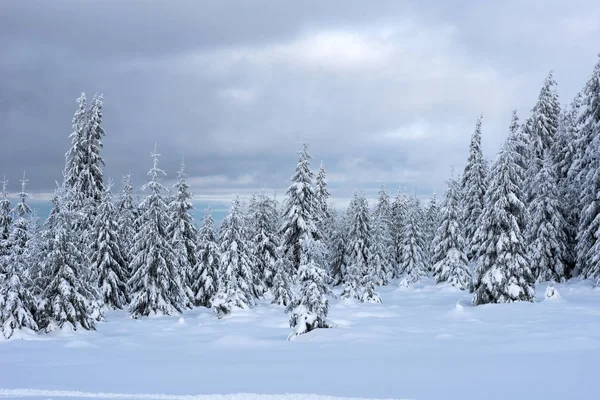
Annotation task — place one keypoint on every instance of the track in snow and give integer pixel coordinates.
(50, 394)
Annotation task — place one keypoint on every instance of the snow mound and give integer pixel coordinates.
(58, 394)
(459, 308)
(458, 311)
(552, 293)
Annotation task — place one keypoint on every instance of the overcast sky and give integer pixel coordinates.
(384, 92)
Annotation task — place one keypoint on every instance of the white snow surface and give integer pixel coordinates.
(422, 342)
(29, 393)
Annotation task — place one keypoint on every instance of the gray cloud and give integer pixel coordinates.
(385, 94)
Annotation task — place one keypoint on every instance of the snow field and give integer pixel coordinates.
(422, 342)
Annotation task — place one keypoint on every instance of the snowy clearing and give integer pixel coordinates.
(423, 342)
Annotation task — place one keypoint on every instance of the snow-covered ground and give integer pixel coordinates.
(425, 342)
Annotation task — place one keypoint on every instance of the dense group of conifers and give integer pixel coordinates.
(534, 216)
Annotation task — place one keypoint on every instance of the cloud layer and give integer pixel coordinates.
(385, 94)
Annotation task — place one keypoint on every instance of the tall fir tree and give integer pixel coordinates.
(107, 256)
(357, 251)
(473, 187)
(541, 130)
(323, 211)
(503, 273)
(182, 231)
(400, 210)
(379, 261)
(156, 287)
(565, 153)
(282, 285)
(20, 234)
(339, 256)
(384, 250)
(70, 299)
(310, 307)
(300, 213)
(432, 215)
(361, 276)
(414, 262)
(83, 173)
(91, 179)
(545, 231)
(76, 157)
(588, 168)
(6, 220)
(265, 240)
(205, 276)
(237, 285)
(18, 306)
(39, 275)
(127, 213)
(450, 263)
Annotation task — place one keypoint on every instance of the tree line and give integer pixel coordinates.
(531, 216)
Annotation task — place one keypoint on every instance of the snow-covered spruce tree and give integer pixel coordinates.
(237, 285)
(265, 240)
(18, 307)
(357, 258)
(361, 276)
(83, 173)
(414, 262)
(565, 153)
(43, 245)
(300, 213)
(503, 273)
(76, 157)
(400, 209)
(156, 281)
(20, 234)
(379, 263)
(383, 252)
(5, 220)
(519, 144)
(182, 231)
(323, 211)
(205, 275)
(34, 251)
(431, 223)
(473, 187)
(107, 257)
(541, 129)
(310, 307)
(69, 297)
(449, 260)
(127, 216)
(545, 231)
(91, 179)
(339, 256)
(282, 285)
(588, 246)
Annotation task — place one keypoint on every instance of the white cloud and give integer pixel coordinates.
(239, 95)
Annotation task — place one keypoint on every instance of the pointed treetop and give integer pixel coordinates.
(155, 172)
(4, 187)
(81, 99)
(514, 122)
(109, 185)
(23, 195)
(207, 214)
